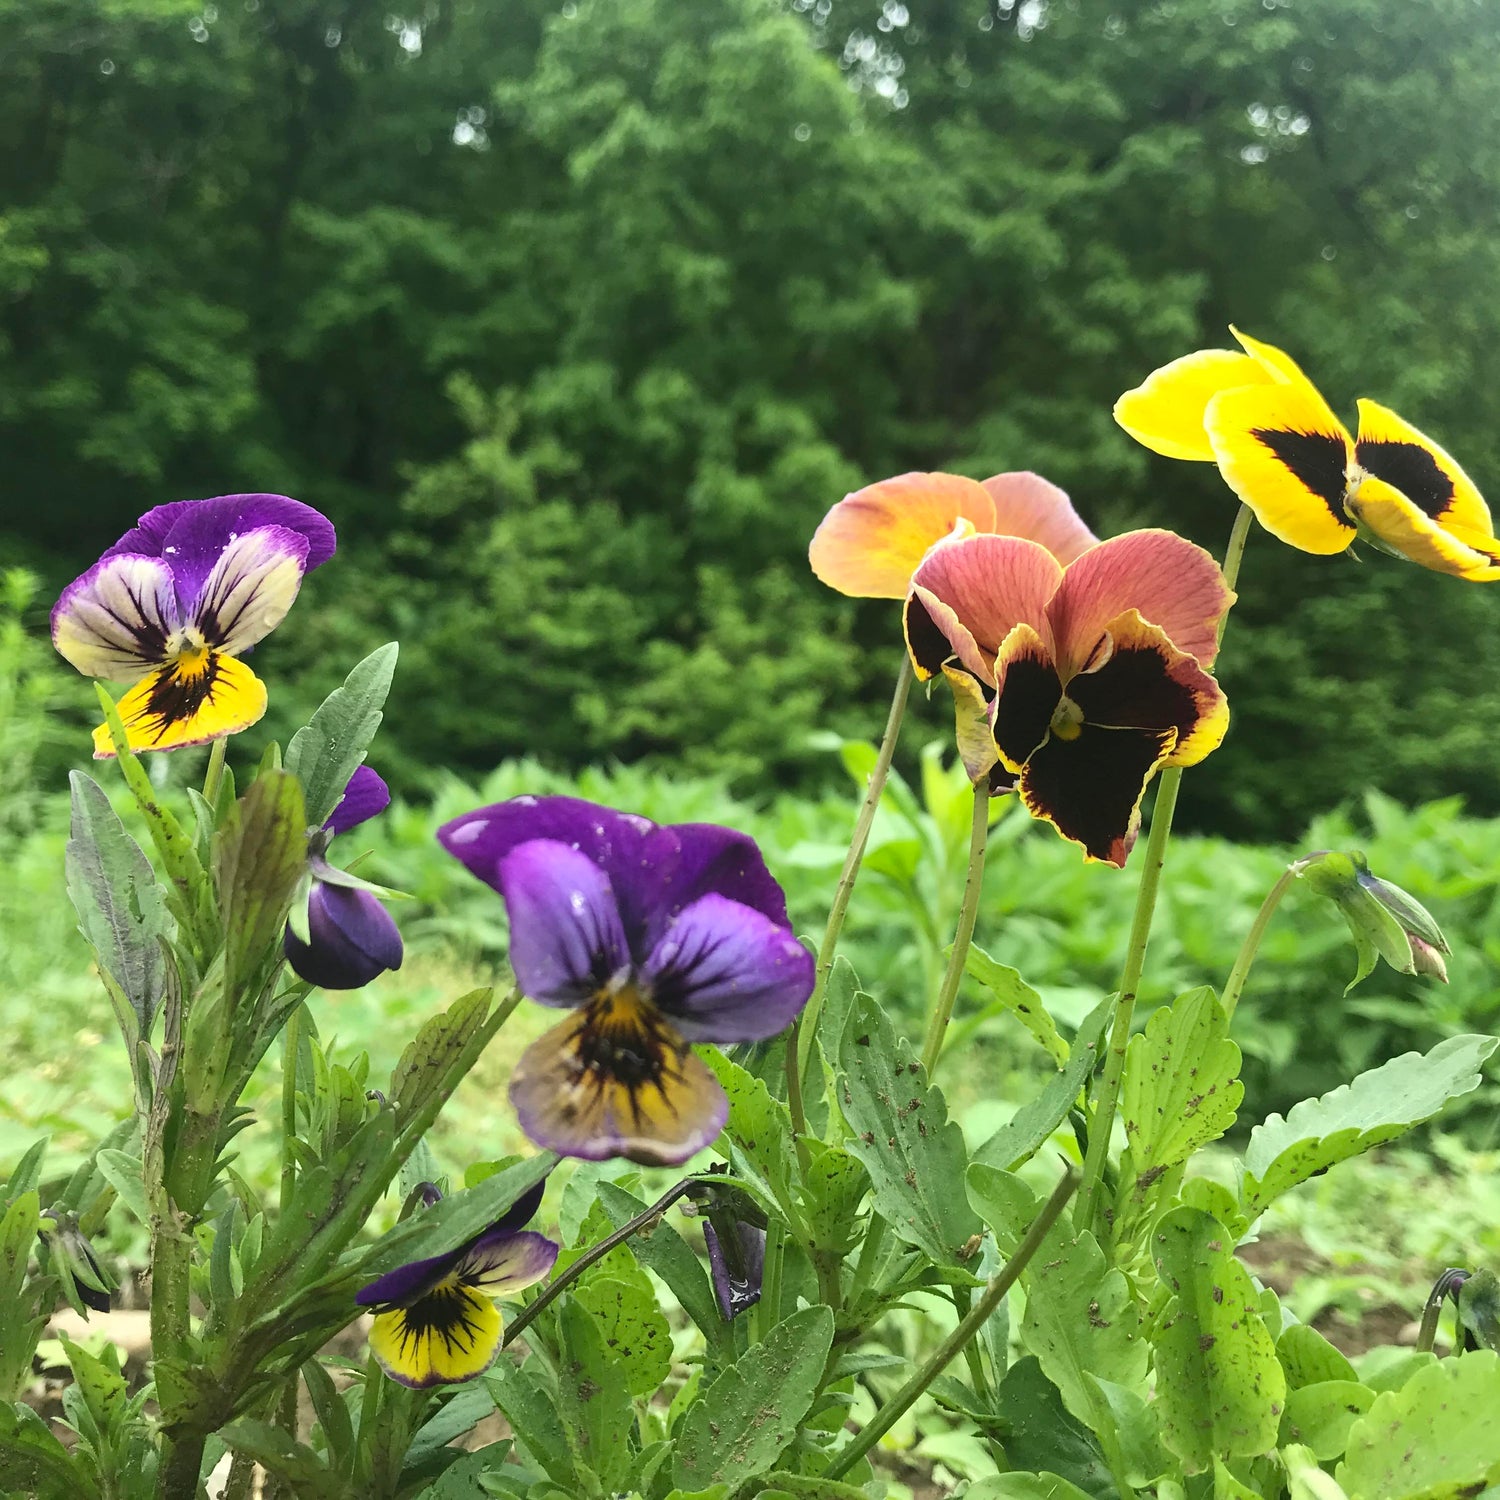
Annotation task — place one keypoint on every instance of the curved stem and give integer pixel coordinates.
(850, 873)
(1248, 949)
(1102, 1125)
(968, 1326)
(942, 1010)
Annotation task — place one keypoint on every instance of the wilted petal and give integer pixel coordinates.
(989, 585)
(1026, 505)
(724, 973)
(250, 588)
(1173, 584)
(450, 1335)
(351, 939)
(197, 697)
(504, 1261)
(1165, 412)
(1284, 453)
(116, 620)
(190, 534)
(738, 1269)
(615, 1079)
(1147, 683)
(870, 543)
(566, 940)
(1090, 787)
(971, 725)
(365, 796)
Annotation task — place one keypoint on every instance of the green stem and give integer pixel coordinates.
(213, 778)
(560, 1283)
(291, 1041)
(768, 1309)
(1102, 1124)
(942, 1010)
(850, 873)
(1234, 553)
(969, 1325)
(795, 1107)
(1248, 949)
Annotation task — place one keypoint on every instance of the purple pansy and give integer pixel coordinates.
(434, 1320)
(351, 937)
(174, 604)
(655, 937)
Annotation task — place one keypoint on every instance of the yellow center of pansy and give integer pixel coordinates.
(1067, 720)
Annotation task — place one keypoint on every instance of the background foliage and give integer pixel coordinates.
(577, 316)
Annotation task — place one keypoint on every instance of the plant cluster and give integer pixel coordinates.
(1105, 1339)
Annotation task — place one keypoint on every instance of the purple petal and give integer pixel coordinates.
(364, 797)
(725, 973)
(190, 534)
(503, 1260)
(352, 939)
(407, 1283)
(249, 589)
(736, 1290)
(655, 872)
(522, 1211)
(565, 934)
(116, 620)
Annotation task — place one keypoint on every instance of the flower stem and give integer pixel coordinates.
(942, 1010)
(850, 873)
(1102, 1125)
(1234, 553)
(969, 1325)
(214, 776)
(1248, 949)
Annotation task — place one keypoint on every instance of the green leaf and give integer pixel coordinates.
(21, 1321)
(1014, 996)
(901, 1132)
(1029, 1129)
(34, 1463)
(280, 1454)
(1043, 1434)
(438, 1044)
(1320, 1416)
(533, 1415)
(593, 1398)
(634, 1328)
(123, 1172)
(122, 910)
(1437, 1438)
(759, 1129)
(1309, 1359)
(325, 754)
(1218, 1382)
(830, 1196)
(1181, 1090)
(740, 1424)
(1020, 1486)
(260, 854)
(1378, 1106)
(660, 1248)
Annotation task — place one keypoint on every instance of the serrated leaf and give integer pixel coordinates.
(1219, 1385)
(741, 1422)
(633, 1327)
(122, 910)
(260, 855)
(593, 1397)
(1435, 1438)
(835, 1183)
(1013, 995)
(1029, 1129)
(901, 1131)
(1378, 1106)
(759, 1129)
(328, 751)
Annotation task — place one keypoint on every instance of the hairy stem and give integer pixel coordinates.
(969, 1325)
(1248, 949)
(942, 1010)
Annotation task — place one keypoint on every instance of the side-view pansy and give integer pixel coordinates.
(1282, 450)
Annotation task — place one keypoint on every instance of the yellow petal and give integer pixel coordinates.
(1394, 451)
(976, 742)
(198, 697)
(1165, 412)
(449, 1335)
(1403, 527)
(1277, 365)
(1284, 453)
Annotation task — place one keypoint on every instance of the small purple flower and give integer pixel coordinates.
(174, 604)
(655, 937)
(434, 1320)
(351, 937)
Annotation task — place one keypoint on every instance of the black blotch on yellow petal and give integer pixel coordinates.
(929, 647)
(1315, 460)
(1410, 468)
(179, 691)
(1028, 698)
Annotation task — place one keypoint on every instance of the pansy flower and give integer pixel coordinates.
(1282, 450)
(175, 603)
(1094, 675)
(348, 937)
(435, 1322)
(654, 938)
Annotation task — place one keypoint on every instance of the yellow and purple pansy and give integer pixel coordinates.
(177, 600)
(655, 938)
(435, 1322)
(1282, 450)
(349, 936)
(1093, 676)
